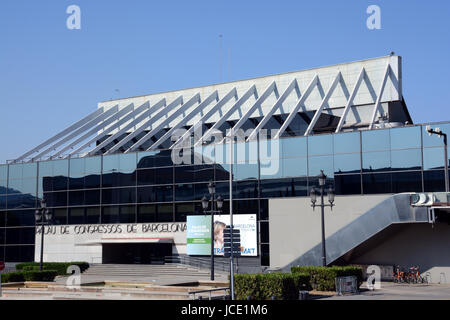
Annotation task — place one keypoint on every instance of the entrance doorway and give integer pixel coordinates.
(135, 253)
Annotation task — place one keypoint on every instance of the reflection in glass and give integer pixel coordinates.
(347, 142)
(292, 147)
(316, 164)
(294, 167)
(433, 158)
(407, 137)
(17, 218)
(146, 213)
(347, 163)
(375, 140)
(245, 171)
(434, 181)
(407, 182)
(320, 145)
(347, 184)
(410, 159)
(277, 188)
(434, 141)
(375, 183)
(376, 161)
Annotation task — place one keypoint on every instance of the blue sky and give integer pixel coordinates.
(51, 76)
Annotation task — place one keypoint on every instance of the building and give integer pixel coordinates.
(121, 182)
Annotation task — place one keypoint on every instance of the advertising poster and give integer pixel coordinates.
(199, 234)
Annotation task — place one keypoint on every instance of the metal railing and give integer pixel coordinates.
(226, 296)
(200, 263)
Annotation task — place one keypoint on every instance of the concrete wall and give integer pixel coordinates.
(375, 69)
(84, 242)
(415, 245)
(294, 228)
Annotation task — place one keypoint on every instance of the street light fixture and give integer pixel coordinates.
(205, 204)
(440, 134)
(313, 194)
(43, 216)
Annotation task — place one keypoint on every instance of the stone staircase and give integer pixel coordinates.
(161, 274)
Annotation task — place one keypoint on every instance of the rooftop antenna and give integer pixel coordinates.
(220, 49)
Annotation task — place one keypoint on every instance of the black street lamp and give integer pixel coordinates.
(322, 181)
(44, 216)
(439, 133)
(205, 205)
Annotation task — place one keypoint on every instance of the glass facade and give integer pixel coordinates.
(148, 187)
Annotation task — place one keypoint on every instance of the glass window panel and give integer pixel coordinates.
(347, 142)
(347, 163)
(76, 183)
(77, 216)
(126, 179)
(265, 255)
(204, 173)
(164, 176)
(165, 213)
(316, 164)
(76, 198)
(20, 218)
(59, 199)
(273, 148)
(30, 170)
(182, 210)
(264, 230)
(15, 186)
(60, 183)
(127, 214)
(92, 181)
(184, 192)
(433, 158)
(275, 188)
(272, 168)
(295, 167)
(406, 182)
(146, 213)
(59, 216)
(221, 153)
(145, 159)
(291, 147)
(93, 215)
(111, 163)
(200, 190)
(406, 159)
(377, 183)
(2, 203)
(245, 171)
(3, 172)
(320, 145)
(222, 188)
(20, 236)
(3, 186)
(208, 153)
(347, 184)
(21, 201)
(15, 171)
(184, 174)
(77, 168)
(246, 189)
(127, 162)
(375, 140)
(376, 161)
(93, 165)
(434, 140)
(110, 215)
(91, 197)
(61, 168)
(163, 193)
(403, 138)
(145, 194)
(23, 253)
(2, 240)
(434, 181)
(222, 172)
(146, 177)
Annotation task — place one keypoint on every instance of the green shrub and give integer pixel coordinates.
(323, 278)
(59, 267)
(282, 286)
(47, 275)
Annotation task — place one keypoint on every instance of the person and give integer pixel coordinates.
(218, 236)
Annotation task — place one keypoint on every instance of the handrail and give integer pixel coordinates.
(200, 263)
(210, 291)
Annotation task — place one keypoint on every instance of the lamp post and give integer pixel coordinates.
(439, 133)
(205, 205)
(322, 181)
(44, 216)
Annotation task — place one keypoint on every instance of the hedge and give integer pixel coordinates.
(59, 267)
(281, 286)
(323, 278)
(47, 275)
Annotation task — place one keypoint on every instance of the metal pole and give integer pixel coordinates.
(446, 163)
(42, 242)
(322, 207)
(231, 218)
(212, 236)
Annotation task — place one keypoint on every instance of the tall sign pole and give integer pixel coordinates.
(231, 216)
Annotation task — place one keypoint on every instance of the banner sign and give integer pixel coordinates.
(199, 234)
